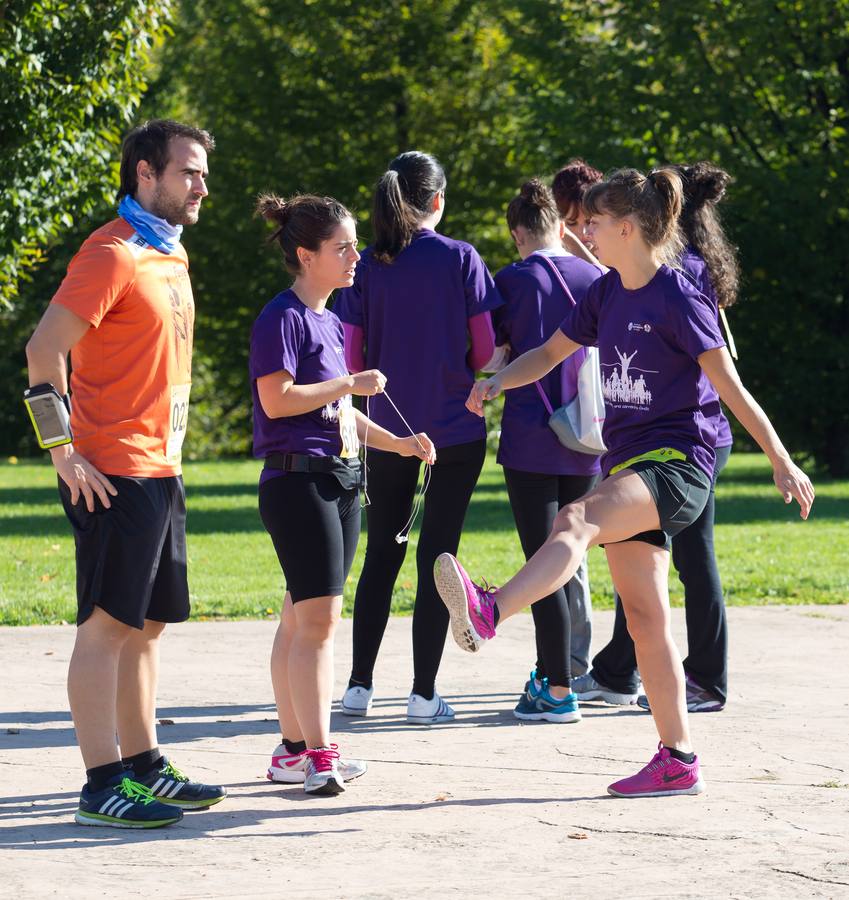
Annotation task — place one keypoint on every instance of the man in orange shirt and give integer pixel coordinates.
(125, 312)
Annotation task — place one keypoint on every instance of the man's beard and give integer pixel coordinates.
(174, 211)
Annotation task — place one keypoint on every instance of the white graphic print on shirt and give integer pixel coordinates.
(621, 388)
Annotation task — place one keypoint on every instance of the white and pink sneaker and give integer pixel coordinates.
(471, 607)
(664, 776)
(290, 768)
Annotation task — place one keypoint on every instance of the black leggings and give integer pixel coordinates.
(314, 524)
(615, 665)
(392, 484)
(535, 500)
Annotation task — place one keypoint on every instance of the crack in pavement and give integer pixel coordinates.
(809, 877)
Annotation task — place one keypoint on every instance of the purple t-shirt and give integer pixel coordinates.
(534, 307)
(649, 340)
(414, 314)
(695, 269)
(291, 337)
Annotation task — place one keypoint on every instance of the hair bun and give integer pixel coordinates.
(535, 192)
(272, 207)
(704, 183)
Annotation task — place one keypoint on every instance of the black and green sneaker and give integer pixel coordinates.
(169, 785)
(124, 803)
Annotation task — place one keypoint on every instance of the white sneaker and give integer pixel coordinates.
(289, 768)
(428, 712)
(321, 772)
(356, 701)
(587, 688)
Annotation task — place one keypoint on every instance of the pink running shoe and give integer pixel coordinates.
(471, 607)
(290, 768)
(664, 776)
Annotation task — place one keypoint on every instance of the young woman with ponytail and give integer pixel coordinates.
(418, 310)
(658, 339)
(710, 262)
(541, 474)
(308, 432)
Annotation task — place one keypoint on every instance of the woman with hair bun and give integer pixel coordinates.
(418, 310)
(569, 186)
(658, 339)
(308, 432)
(710, 262)
(541, 474)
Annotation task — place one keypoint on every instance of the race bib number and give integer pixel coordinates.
(177, 422)
(348, 429)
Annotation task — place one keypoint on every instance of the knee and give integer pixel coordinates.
(317, 630)
(153, 630)
(104, 631)
(570, 522)
(645, 625)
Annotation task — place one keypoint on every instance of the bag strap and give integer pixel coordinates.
(559, 276)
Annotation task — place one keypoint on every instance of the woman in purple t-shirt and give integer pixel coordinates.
(308, 432)
(541, 474)
(710, 262)
(658, 338)
(417, 301)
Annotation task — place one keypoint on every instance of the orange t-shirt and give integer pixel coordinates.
(131, 371)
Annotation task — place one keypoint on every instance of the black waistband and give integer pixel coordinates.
(301, 462)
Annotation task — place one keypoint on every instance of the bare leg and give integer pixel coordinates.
(640, 573)
(618, 508)
(311, 666)
(138, 676)
(93, 686)
(289, 726)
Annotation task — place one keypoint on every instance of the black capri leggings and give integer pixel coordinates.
(392, 488)
(535, 500)
(314, 525)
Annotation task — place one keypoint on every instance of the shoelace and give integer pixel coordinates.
(132, 790)
(174, 772)
(322, 757)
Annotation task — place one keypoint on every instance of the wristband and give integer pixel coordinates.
(50, 414)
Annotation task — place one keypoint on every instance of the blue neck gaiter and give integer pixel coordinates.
(161, 235)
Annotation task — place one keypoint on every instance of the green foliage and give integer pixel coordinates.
(71, 78)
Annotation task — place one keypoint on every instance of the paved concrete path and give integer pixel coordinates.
(483, 807)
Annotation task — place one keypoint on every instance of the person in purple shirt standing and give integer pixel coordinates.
(308, 432)
(708, 259)
(541, 474)
(417, 302)
(658, 339)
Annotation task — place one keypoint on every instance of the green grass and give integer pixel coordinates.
(766, 553)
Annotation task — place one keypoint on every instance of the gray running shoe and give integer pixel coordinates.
(587, 688)
(699, 699)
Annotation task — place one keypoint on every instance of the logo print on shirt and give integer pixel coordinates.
(621, 387)
(637, 326)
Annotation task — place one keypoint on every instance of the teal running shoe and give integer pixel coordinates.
(545, 708)
(124, 803)
(533, 688)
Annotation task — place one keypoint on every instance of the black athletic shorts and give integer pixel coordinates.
(680, 490)
(131, 558)
(314, 525)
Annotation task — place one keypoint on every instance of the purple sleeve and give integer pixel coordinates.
(483, 340)
(275, 343)
(581, 322)
(355, 358)
(694, 323)
(481, 293)
(348, 305)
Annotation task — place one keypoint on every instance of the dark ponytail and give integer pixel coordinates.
(302, 221)
(704, 187)
(533, 209)
(403, 197)
(654, 200)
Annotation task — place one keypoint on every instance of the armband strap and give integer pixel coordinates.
(50, 414)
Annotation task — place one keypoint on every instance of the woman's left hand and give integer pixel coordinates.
(420, 445)
(793, 483)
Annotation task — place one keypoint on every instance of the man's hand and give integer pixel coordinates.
(81, 477)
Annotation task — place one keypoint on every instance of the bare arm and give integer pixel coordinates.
(528, 367)
(373, 435)
(281, 397)
(577, 247)
(47, 359)
(790, 480)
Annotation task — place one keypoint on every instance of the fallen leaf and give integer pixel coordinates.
(166, 721)
(48, 653)
(577, 836)
(45, 578)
